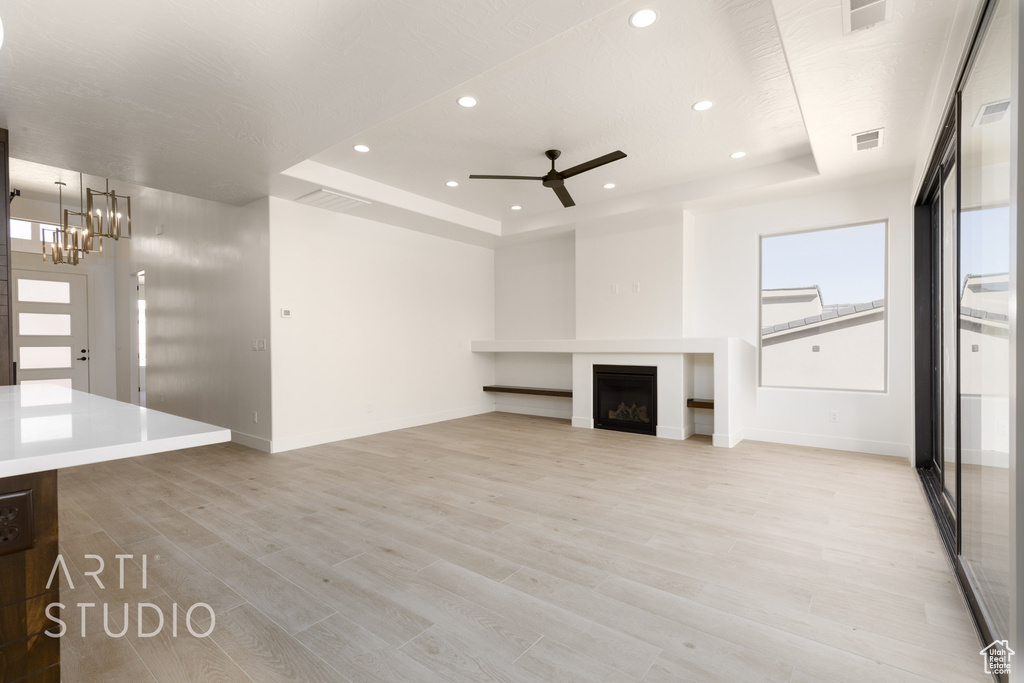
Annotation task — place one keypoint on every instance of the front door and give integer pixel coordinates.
(51, 328)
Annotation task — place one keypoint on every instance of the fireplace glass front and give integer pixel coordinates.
(626, 398)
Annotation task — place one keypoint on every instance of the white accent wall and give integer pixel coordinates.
(629, 276)
(381, 320)
(726, 284)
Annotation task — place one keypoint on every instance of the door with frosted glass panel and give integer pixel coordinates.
(51, 328)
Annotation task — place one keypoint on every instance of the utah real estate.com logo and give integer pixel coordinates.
(154, 610)
(997, 657)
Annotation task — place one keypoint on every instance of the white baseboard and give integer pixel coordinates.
(257, 442)
(838, 443)
(677, 433)
(290, 443)
(726, 440)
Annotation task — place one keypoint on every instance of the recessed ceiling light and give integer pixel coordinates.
(703, 105)
(516, 207)
(737, 155)
(642, 18)
(609, 186)
(361, 148)
(467, 101)
(452, 183)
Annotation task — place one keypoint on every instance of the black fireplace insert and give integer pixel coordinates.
(626, 398)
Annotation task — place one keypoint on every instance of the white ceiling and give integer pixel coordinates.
(881, 77)
(604, 86)
(211, 98)
(216, 100)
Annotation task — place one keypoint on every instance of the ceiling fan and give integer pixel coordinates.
(556, 179)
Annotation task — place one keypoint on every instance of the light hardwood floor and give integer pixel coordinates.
(513, 548)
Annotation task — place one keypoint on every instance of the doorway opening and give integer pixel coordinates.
(137, 315)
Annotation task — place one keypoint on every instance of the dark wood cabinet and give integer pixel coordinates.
(25, 649)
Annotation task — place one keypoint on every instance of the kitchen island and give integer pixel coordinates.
(45, 427)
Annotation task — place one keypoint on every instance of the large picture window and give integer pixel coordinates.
(823, 317)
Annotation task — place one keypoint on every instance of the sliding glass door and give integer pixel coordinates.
(963, 274)
(984, 350)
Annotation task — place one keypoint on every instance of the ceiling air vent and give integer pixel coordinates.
(861, 14)
(332, 201)
(869, 139)
(992, 112)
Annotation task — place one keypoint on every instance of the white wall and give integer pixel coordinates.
(208, 297)
(535, 298)
(643, 250)
(381, 323)
(99, 272)
(535, 289)
(725, 278)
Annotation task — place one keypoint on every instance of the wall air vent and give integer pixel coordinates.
(861, 14)
(869, 139)
(332, 201)
(992, 112)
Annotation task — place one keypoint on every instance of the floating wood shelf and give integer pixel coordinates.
(708, 403)
(534, 391)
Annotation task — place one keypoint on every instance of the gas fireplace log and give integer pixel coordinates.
(629, 413)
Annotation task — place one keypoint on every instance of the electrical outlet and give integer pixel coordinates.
(615, 289)
(15, 522)
(369, 407)
(833, 416)
(255, 417)
(636, 287)
(8, 514)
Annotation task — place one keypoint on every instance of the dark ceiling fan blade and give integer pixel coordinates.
(593, 163)
(563, 194)
(508, 177)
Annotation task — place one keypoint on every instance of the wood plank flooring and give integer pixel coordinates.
(511, 548)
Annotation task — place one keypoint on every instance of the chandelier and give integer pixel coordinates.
(82, 232)
(108, 221)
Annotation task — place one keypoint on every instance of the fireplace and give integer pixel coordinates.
(626, 398)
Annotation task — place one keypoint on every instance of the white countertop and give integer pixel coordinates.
(46, 427)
